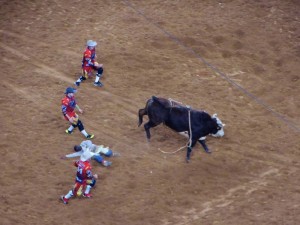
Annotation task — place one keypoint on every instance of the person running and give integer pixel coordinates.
(85, 180)
(68, 106)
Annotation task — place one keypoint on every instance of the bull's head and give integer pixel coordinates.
(220, 132)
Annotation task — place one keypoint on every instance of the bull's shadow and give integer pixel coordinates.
(182, 119)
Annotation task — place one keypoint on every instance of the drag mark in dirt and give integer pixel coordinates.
(38, 43)
(23, 38)
(37, 99)
(51, 72)
(48, 71)
(227, 199)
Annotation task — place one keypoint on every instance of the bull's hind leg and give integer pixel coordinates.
(142, 112)
(147, 127)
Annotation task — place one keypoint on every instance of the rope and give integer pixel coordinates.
(172, 102)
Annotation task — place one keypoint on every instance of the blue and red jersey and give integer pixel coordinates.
(84, 171)
(68, 105)
(88, 59)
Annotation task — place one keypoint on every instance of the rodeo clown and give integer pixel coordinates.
(68, 109)
(89, 64)
(97, 152)
(85, 179)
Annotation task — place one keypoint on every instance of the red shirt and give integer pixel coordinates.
(84, 171)
(88, 57)
(68, 105)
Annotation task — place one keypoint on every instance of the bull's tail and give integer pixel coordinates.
(143, 112)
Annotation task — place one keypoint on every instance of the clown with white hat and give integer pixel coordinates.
(89, 64)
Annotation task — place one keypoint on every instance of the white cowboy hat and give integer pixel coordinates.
(91, 43)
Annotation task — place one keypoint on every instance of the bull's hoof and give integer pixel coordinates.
(208, 151)
(187, 160)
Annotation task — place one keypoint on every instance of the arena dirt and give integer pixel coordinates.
(237, 58)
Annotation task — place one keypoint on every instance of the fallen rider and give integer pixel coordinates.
(98, 151)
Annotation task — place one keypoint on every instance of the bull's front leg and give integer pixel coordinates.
(202, 142)
(188, 154)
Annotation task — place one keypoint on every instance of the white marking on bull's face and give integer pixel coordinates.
(221, 125)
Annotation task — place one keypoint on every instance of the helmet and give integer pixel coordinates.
(70, 90)
(77, 148)
(91, 43)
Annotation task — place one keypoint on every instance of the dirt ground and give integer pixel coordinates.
(237, 58)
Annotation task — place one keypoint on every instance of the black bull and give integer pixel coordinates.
(180, 119)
